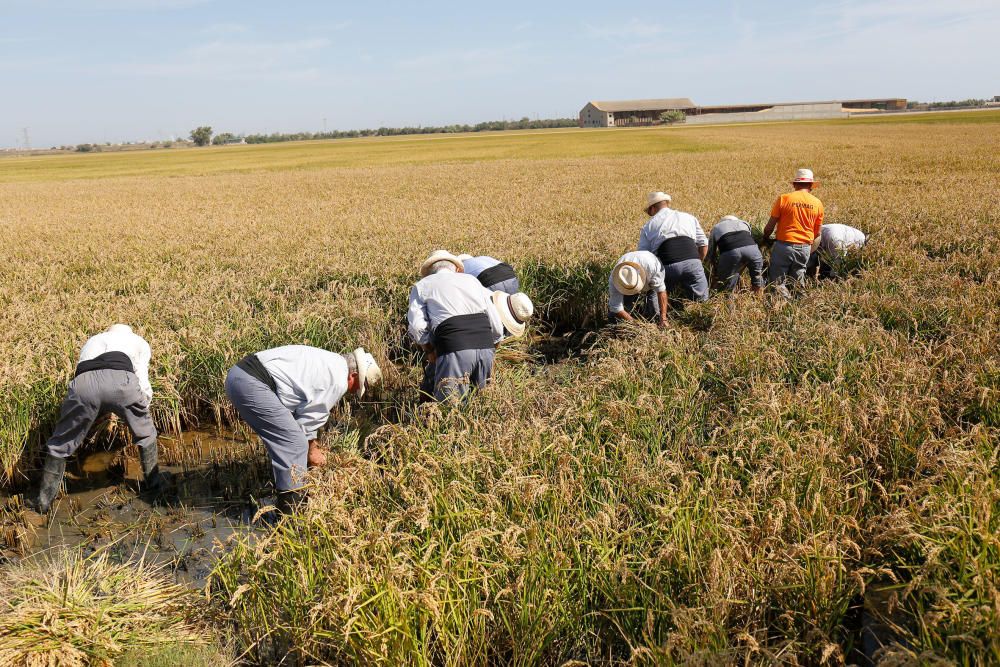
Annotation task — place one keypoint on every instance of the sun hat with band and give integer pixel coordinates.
(804, 176)
(368, 371)
(655, 198)
(439, 256)
(629, 278)
(515, 310)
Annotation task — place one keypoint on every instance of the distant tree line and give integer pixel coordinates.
(951, 104)
(489, 126)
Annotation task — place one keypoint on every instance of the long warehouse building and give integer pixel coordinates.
(636, 113)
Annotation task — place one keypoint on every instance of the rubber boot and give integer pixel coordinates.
(288, 501)
(52, 478)
(149, 458)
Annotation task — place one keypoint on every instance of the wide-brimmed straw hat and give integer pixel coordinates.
(438, 256)
(515, 310)
(804, 176)
(655, 198)
(368, 371)
(629, 278)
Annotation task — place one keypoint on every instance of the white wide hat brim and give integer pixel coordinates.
(656, 198)
(629, 288)
(438, 256)
(368, 371)
(501, 301)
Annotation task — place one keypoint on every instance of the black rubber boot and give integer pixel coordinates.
(288, 501)
(149, 458)
(52, 478)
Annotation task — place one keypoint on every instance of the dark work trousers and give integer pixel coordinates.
(93, 394)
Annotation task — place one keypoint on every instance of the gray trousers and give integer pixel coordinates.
(456, 371)
(688, 274)
(284, 440)
(732, 262)
(510, 286)
(96, 393)
(788, 262)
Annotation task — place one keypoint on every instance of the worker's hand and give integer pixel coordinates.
(317, 457)
(663, 323)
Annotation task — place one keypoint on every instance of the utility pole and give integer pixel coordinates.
(324, 124)
(26, 138)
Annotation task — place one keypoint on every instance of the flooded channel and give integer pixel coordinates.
(217, 480)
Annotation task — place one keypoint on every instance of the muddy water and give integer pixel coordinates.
(217, 480)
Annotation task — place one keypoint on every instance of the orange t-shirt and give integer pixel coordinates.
(800, 215)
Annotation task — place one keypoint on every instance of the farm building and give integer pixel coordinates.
(630, 113)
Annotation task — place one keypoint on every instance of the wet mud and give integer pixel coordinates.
(217, 480)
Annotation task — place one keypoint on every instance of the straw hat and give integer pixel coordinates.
(655, 198)
(804, 176)
(368, 371)
(465, 257)
(629, 278)
(437, 256)
(515, 310)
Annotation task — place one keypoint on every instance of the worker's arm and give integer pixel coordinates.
(769, 228)
(616, 303)
(645, 243)
(416, 315)
(142, 369)
(703, 251)
(664, 306)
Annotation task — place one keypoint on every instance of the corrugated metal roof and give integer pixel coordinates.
(645, 105)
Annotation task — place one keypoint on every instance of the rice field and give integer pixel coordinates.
(806, 483)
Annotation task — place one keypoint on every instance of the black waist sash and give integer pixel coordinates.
(496, 274)
(734, 240)
(253, 367)
(677, 249)
(109, 361)
(463, 332)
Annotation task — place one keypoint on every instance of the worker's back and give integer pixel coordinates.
(800, 215)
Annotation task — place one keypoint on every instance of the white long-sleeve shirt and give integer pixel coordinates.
(121, 338)
(446, 294)
(309, 382)
(836, 238)
(668, 224)
(655, 278)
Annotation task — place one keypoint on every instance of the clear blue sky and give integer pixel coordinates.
(110, 70)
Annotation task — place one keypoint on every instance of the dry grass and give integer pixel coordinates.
(72, 611)
(730, 491)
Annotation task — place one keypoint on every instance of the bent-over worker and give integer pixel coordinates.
(491, 273)
(731, 248)
(797, 216)
(514, 311)
(285, 395)
(453, 319)
(679, 242)
(112, 376)
(829, 250)
(636, 288)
